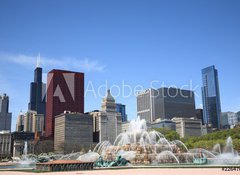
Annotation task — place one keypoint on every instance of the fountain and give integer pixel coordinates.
(26, 161)
(142, 147)
(25, 150)
(138, 146)
(228, 156)
(217, 149)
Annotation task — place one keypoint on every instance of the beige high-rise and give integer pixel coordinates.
(33, 122)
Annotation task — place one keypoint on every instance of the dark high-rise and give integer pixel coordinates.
(37, 93)
(211, 97)
(122, 109)
(5, 116)
(199, 114)
(65, 92)
(165, 103)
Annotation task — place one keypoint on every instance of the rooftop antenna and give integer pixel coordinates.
(38, 60)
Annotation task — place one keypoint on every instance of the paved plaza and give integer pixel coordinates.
(141, 171)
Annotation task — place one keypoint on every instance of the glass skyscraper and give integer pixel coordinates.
(122, 109)
(211, 97)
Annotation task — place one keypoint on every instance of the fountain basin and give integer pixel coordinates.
(64, 165)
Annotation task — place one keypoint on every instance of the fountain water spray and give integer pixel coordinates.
(142, 147)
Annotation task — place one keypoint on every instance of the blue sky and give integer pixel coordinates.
(137, 41)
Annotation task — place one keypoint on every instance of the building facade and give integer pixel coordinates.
(211, 97)
(73, 131)
(199, 114)
(107, 123)
(176, 102)
(65, 92)
(206, 129)
(33, 122)
(20, 122)
(188, 126)
(165, 103)
(122, 109)
(5, 144)
(147, 105)
(18, 140)
(5, 116)
(28, 121)
(168, 124)
(125, 126)
(229, 119)
(38, 123)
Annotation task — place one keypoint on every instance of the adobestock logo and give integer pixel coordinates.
(66, 86)
(125, 90)
(63, 86)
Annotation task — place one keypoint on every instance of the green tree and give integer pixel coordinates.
(168, 133)
(209, 140)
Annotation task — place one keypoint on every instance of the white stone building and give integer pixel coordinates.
(188, 126)
(5, 144)
(107, 123)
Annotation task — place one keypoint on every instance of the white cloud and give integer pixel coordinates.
(53, 63)
(200, 106)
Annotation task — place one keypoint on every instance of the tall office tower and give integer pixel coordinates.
(28, 121)
(199, 114)
(37, 93)
(5, 116)
(65, 92)
(146, 105)
(32, 122)
(211, 97)
(122, 109)
(38, 123)
(165, 103)
(107, 123)
(238, 114)
(176, 102)
(20, 122)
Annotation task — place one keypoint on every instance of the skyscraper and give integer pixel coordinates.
(199, 114)
(28, 121)
(20, 122)
(65, 92)
(107, 123)
(211, 97)
(122, 109)
(175, 102)
(146, 105)
(165, 103)
(5, 116)
(37, 93)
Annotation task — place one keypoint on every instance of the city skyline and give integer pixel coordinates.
(171, 46)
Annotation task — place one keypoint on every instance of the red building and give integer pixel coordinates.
(65, 92)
